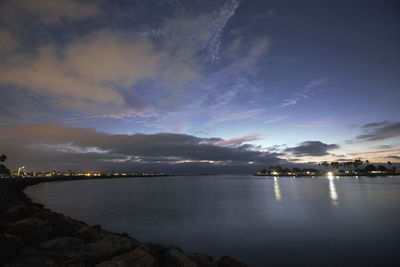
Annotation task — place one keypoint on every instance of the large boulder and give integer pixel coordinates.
(32, 230)
(90, 234)
(204, 260)
(174, 257)
(42, 258)
(62, 243)
(64, 226)
(110, 246)
(137, 258)
(16, 211)
(10, 246)
(155, 250)
(227, 261)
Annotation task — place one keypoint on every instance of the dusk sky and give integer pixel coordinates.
(186, 86)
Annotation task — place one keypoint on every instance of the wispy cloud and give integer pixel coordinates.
(288, 102)
(240, 140)
(376, 152)
(49, 11)
(379, 131)
(375, 124)
(305, 92)
(393, 157)
(156, 71)
(214, 43)
(274, 119)
(314, 124)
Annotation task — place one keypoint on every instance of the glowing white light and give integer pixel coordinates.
(332, 192)
(277, 190)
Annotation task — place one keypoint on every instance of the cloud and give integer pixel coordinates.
(55, 145)
(393, 157)
(314, 124)
(315, 83)
(375, 124)
(311, 148)
(383, 146)
(134, 63)
(152, 70)
(50, 11)
(201, 32)
(288, 102)
(379, 131)
(259, 47)
(273, 119)
(305, 92)
(344, 160)
(239, 141)
(214, 43)
(8, 43)
(396, 150)
(99, 69)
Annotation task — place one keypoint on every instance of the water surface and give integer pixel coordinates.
(281, 222)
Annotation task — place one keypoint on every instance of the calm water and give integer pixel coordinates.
(282, 222)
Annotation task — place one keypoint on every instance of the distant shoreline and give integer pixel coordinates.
(325, 175)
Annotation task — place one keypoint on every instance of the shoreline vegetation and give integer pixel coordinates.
(351, 168)
(327, 174)
(32, 235)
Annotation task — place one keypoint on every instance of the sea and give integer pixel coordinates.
(262, 221)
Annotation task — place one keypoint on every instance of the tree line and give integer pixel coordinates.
(354, 165)
(348, 167)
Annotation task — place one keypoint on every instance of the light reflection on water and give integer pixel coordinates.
(281, 221)
(277, 190)
(332, 190)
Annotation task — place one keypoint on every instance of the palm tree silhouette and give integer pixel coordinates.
(3, 158)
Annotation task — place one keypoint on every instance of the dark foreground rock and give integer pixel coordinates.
(31, 235)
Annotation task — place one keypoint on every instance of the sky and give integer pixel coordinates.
(185, 86)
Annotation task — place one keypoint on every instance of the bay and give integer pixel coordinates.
(261, 221)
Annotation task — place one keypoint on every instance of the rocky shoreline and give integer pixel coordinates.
(31, 235)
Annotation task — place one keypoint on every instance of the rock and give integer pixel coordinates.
(97, 227)
(227, 261)
(153, 249)
(175, 257)
(32, 230)
(16, 211)
(110, 246)
(62, 243)
(61, 224)
(137, 258)
(89, 234)
(204, 260)
(10, 246)
(65, 226)
(40, 258)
